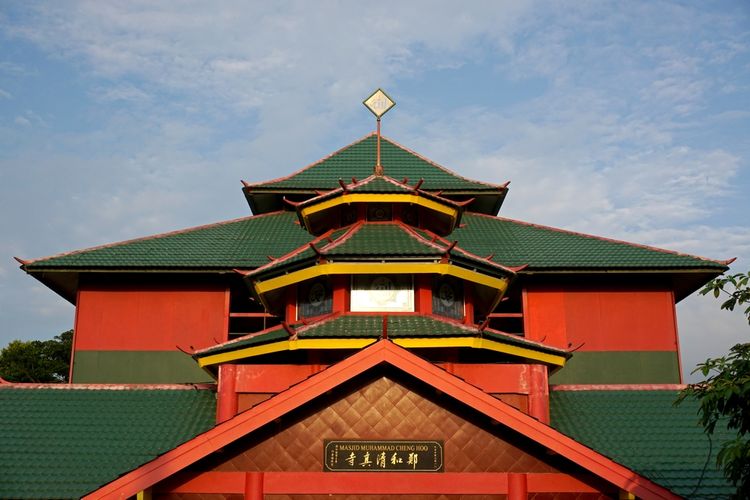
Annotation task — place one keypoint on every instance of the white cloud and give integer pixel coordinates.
(195, 97)
(22, 121)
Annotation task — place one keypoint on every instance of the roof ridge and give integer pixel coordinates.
(150, 237)
(293, 253)
(466, 252)
(239, 339)
(441, 167)
(603, 238)
(353, 229)
(411, 232)
(488, 260)
(310, 165)
(517, 338)
(318, 322)
(443, 319)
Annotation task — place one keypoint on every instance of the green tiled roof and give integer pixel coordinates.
(375, 184)
(382, 240)
(246, 243)
(380, 184)
(375, 241)
(644, 432)
(516, 243)
(358, 159)
(371, 326)
(64, 443)
(243, 243)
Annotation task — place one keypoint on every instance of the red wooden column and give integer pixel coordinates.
(253, 486)
(340, 293)
(226, 407)
(468, 304)
(290, 310)
(539, 393)
(517, 487)
(423, 285)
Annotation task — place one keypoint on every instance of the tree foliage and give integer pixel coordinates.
(37, 360)
(735, 286)
(724, 395)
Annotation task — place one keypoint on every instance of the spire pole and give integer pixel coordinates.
(378, 165)
(378, 103)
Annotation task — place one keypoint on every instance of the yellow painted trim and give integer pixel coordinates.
(481, 343)
(262, 287)
(144, 495)
(626, 495)
(346, 199)
(285, 345)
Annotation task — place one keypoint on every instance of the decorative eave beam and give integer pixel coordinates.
(348, 197)
(333, 268)
(293, 344)
(285, 345)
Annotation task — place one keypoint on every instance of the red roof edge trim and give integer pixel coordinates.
(450, 245)
(107, 387)
(411, 232)
(617, 387)
(382, 351)
(319, 321)
(249, 187)
(353, 229)
(296, 251)
(154, 236)
(517, 339)
(444, 169)
(238, 339)
(602, 238)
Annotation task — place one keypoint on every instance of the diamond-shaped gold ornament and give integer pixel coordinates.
(379, 103)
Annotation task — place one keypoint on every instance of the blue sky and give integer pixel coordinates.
(623, 119)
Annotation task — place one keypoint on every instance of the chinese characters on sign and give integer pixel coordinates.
(360, 456)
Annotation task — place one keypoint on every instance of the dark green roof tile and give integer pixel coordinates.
(66, 442)
(382, 240)
(241, 243)
(515, 243)
(358, 159)
(371, 326)
(643, 431)
(272, 334)
(246, 243)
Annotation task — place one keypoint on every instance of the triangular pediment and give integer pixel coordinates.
(528, 438)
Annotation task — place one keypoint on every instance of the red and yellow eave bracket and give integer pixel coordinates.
(337, 268)
(407, 198)
(360, 343)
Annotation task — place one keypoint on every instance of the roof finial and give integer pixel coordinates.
(378, 103)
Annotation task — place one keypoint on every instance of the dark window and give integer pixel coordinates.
(314, 298)
(448, 297)
(379, 211)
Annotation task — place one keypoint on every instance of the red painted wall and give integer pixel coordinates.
(602, 320)
(150, 319)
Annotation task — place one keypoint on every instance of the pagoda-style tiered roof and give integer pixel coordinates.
(374, 241)
(357, 161)
(316, 213)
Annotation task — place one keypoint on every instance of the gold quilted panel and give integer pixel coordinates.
(384, 409)
(387, 406)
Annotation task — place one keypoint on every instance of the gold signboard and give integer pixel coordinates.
(382, 456)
